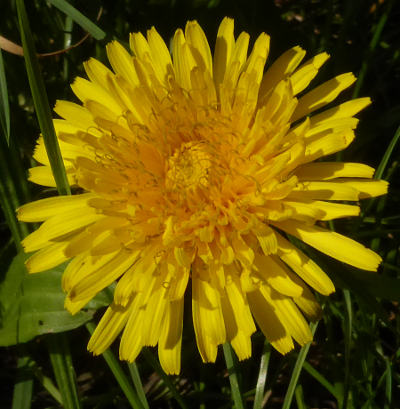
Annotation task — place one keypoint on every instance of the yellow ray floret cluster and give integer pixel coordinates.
(195, 170)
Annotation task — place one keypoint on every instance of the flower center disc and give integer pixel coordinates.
(189, 167)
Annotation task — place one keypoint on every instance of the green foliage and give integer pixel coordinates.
(33, 304)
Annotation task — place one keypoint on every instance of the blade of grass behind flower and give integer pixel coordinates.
(233, 371)
(300, 397)
(68, 25)
(347, 346)
(61, 361)
(133, 370)
(375, 244)
(372, 46)
(4, 104)
(388, 384)
(79, 18)
(262, 376)
(388, 153)
(22, 395)
(297, 370)
(40, 101)
(321, 379)
(119, 374)
(9, 197)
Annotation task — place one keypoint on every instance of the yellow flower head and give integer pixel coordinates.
(196, 170)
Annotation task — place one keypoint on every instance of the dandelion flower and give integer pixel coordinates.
(196, 170)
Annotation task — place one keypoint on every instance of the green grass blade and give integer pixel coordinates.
(68, 25)
(297, 370)
(262, 376)
(79, 18)
(22, 395)
(119, 374)
(388, 153)
(321, 379)
(233, 376)
(166, 379)
(7, 205)
(372, 46)
(41, 102)
(4, 104)
(347, 346)
(48, 384)
(61, 361)
(133, 370)
(299, 395)
(388, 385)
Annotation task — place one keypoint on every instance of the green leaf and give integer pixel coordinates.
(33, 304)
(41, 102)
(4, 105)
(79, 18)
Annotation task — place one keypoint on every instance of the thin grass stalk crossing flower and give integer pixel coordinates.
(196, 169)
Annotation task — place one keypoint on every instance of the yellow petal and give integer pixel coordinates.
(269, 323)
(183, 60)
(366, 188)
(345, 110)
(324, 191)
(57, 226)
(334, 125)
(318, 210)
(207, 319)
(169, 345)
(154, 313)
(333, 244)
(122, 63)
(240, 307)
(328, 143)
(76, 115)
(276, 276)
(97, 72)
(288, 315)
(308, 304)
(302, 77)
(281, 68)
(86, 90)
(43, 209)
(109, 327)
(132, 338)
(322, 95)
(223, 49)
(256, 61)
(103, 276)
(240, 341)
(49, 257)
(332, 170)
(196, 38)
(160, 54)
(306, 269)
(43, 175)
